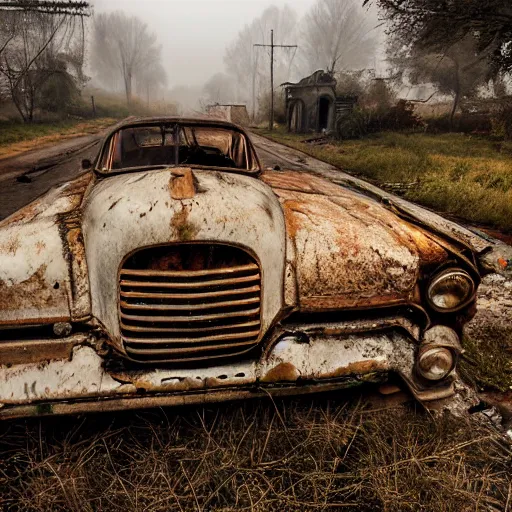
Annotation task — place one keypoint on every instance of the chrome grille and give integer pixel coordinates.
(189, 315)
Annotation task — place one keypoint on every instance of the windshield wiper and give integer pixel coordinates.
(140, 168)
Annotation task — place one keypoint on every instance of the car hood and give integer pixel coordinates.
(321, 246)
(347, 250)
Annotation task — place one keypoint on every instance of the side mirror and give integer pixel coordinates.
(86, 164)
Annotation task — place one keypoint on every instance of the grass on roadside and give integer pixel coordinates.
(462, 175)
(17, 137)
(310, 454)
(485, 363)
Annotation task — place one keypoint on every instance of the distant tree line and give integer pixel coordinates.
(43, 52)
(456, 48)
(334, 35)
(459, 46)
(125, 51)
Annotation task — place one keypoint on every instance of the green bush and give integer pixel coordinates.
(364, 121)
(501, 121)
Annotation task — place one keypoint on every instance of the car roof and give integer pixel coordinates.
(200, 121)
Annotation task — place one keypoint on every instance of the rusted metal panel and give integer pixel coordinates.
(350, 251)
(59, 200)
(34, 278)
(38, 351)
(326, 357)
(357, 326)
(323, 358)
(73, 241)
(168, 400)
(128, 212)
(37, 252)
(82, 376)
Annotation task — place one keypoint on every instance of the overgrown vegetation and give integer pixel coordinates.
(263, 456)
(462, 175)
(16, 136)
(487, 363)
(12, 132)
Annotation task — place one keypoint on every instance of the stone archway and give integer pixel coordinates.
(325, 105)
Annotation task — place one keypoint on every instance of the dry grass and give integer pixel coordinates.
(487, 361)
(287, 456)
(17, 137)
(463, 175)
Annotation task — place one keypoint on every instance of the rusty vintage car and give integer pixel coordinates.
(175, 270)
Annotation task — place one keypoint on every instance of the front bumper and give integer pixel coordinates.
(295, 365)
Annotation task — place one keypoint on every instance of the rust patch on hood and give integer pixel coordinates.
(183, 229)
(350, 250)
(34, 292)
(11, 246)
(301, 182)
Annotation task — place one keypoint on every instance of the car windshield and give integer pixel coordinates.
(173, 145)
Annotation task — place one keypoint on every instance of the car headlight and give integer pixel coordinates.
(435, 363)
(450, 290)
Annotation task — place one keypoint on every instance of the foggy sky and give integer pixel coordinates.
(195, 33)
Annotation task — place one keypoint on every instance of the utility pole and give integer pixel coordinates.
(272, 46)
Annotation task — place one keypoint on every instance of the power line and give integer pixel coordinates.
(272, 46)
(69, 7)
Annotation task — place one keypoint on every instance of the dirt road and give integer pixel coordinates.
(27, 176)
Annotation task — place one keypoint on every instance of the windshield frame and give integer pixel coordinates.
(181, 124)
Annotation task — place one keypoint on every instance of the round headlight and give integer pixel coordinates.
(435, 363)
(450, 290)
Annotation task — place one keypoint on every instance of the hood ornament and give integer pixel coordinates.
(182, 183)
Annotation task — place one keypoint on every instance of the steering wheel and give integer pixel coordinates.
(194, 152)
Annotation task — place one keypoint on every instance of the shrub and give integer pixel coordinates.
(501, 121)
(463, 123)
(363, 121)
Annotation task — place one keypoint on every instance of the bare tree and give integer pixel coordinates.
(152, 81)
(219, 89)
(40, 48)
(458, 71)
(123, 49)
(338, 35)
(249, 66)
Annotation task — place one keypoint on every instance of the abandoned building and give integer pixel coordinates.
(312, 104)
(234, 113)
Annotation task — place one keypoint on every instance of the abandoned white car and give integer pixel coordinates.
(176, 270)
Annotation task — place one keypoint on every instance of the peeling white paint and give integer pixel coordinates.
(122, 216)
(84, 376)
(34, 252)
